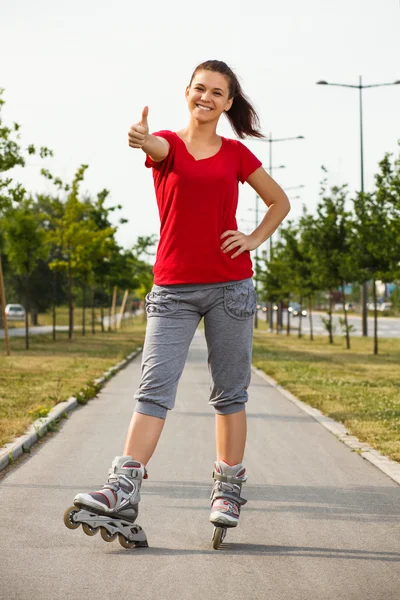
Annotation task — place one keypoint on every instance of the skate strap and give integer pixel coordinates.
(228, 478)
(132, 473)
(226, 495)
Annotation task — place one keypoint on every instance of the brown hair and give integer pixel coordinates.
(242, 116)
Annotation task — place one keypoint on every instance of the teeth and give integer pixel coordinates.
(202, 107)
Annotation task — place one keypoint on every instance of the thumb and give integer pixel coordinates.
(145, 113)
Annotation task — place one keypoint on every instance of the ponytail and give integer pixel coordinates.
(242, 116)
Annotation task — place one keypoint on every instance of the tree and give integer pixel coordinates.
(11, 155)
(329, 239)
(376, 248)
(24, 246)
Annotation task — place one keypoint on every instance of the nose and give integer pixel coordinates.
(205, 97)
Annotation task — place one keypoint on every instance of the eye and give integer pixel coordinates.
(217, 93)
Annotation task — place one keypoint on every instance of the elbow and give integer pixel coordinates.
(288, 206)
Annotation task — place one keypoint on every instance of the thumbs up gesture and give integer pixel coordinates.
(137, 134)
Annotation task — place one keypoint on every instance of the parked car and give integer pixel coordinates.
(15, 312)
(294, 309)
(382, 306)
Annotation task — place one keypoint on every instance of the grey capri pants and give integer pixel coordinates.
(174, 313)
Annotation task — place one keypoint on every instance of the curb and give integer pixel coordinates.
(390, 467)
(39, 428)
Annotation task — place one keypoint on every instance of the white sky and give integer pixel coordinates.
(77, 74)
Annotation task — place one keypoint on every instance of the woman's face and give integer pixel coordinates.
(208, 96)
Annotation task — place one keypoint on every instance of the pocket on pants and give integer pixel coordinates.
(159, 303)
(240, 300)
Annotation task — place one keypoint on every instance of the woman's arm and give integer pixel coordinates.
(139, 137)
(156, 147)
(278, 208)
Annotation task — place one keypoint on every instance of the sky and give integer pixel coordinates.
(77, 74)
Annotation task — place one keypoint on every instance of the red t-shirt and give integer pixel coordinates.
(197, 202)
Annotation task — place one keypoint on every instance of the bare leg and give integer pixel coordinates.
(143, 435)
(231, 437)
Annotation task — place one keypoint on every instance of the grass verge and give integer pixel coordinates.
(354, 387)
(33, 381)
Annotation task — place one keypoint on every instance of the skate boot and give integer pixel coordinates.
(225, 499)
(114, 508)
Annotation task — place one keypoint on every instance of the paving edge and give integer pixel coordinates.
(39, 428)
(390, 467)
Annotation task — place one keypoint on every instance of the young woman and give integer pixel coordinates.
(203, 270)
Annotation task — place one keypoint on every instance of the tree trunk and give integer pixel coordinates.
(26, 313)
(102, 318)
(3, 310)
(288, 318)
(93, 313)
(346, 323)
(84, 308)
(300, 316)
(375, 318)
(54, 304)
(70, 303)
(310, 307)
(330, 317)
(277, 319)
(113, 308)
(109, 310)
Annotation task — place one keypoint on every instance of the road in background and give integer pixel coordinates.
(387, 326)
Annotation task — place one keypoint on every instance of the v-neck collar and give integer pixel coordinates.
(201, 159)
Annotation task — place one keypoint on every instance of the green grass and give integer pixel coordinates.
(33, 381)
(355, 387)
(46, 318)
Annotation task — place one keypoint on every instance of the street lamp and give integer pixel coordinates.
(360, 87)
(271, 140)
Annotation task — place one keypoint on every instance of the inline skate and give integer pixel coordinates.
(225, 499)
(114, 509)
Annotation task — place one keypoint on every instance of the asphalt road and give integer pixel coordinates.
(387, 326)
(40, 329)
(321, 523)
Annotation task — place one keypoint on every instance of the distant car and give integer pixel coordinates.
(385, 306)
(382, 306)
(15, 312)
(294, 309)
(350, 306)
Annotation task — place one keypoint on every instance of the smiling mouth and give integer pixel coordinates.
(203, 107)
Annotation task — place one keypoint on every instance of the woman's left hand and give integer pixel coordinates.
(239, 240)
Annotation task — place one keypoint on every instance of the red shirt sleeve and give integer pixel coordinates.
(248, 163)
(167, 161)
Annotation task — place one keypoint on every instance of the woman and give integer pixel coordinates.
(203, 269)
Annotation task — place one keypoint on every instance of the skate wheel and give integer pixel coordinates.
(218, 536)
(107, 537)
(68, 517)
(89, 530)
(125, 543)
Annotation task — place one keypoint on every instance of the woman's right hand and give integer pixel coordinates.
(137, 134)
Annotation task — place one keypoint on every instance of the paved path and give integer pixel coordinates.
(321, 523)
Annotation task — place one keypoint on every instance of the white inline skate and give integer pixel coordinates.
(114, 509)
(225, 499)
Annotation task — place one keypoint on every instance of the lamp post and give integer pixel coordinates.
(256, 225)
(271, 140)
(361, 87)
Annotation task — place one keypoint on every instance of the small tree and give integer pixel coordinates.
(25, 246)
(376, 248)
(329, 247)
